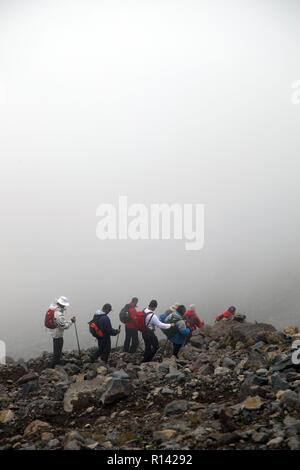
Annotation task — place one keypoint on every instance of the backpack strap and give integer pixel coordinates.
(150, 318)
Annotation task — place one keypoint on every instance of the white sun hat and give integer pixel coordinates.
(63, 301)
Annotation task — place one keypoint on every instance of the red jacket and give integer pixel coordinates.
(226, 314)
(193, 320)
(132, 313)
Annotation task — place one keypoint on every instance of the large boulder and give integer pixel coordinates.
(116, 390)
(231, 330)
(103, 388)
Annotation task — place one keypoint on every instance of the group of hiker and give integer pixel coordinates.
(176, 323)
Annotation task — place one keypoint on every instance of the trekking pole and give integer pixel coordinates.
(79, 352)
(118, 336)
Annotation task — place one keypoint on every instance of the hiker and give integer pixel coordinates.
(182, 331)
(227, 314)
(171, 309)
(102, 332)
(192, 318)
(57, 323)
(131, 334)
(149, 337)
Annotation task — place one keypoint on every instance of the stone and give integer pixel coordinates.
(290, 330)
(28, 378)
(73, 436)
(290, 400)
(164, 435)
(120, 374)
(275, 443)
(221, 371)
(262, 372)
(46, 436)
(228, 363)
(116, 390)
(226, 420)
(6, 416)
(176, 407)
(278, 383)
(176, 375)
(293, 443)
(228, 438)
(71, 369)
(259, 380)
(260, 437)
(198, 341)
(167, 391)
(53, 443)
(283, 364)
(78, 394)
(252, 403)
(30, 387)
(35, 426)
(73, 445)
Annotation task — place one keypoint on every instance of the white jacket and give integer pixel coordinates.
(60, 320)
(151, 324)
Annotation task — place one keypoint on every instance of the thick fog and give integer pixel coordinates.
(163, 102)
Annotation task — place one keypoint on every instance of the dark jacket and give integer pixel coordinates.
(103, 322)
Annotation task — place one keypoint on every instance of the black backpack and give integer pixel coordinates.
(125, 315)
(170, 332)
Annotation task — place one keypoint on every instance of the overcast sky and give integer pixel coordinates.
(165, 102)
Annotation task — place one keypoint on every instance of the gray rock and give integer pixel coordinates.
(260, 437)
(167, 391)
(293, 443)
(120, 374)
(228, 438)
(292, 425)
(30, 387)
(176, 407)
(198, 341)
(116, 390)
(278, 383)
(275, 443)
(53, 443)
(259, 380)
(290, 400)
(31, 376)
(176, 376)
(282, 365)
(71, 369)
(74, 445)
(228, 363)
(78, 393)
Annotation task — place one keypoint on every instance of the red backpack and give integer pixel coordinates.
(50, 320)
(139, 320)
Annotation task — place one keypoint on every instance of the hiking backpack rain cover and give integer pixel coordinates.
(125, 315)
(50, 320)
(140, 322)
(94, 330)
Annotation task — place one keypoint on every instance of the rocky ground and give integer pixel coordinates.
(234, 387)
